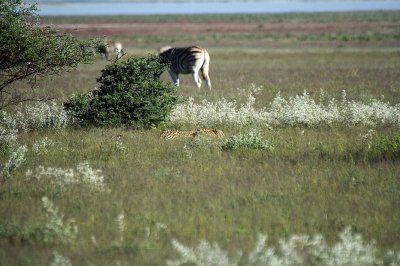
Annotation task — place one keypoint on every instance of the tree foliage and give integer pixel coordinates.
(130, 93)
(29, 51)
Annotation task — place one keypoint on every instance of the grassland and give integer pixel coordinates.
(315, 179)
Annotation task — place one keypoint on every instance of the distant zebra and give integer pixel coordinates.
(118, 49)
(187, 60)
(105, 49)
(87, 49)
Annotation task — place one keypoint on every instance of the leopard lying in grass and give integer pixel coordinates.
(171, 134)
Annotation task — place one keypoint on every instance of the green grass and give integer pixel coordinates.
(306, 184)
(314, 180)
(363, 73)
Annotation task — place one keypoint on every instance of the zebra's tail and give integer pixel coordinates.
(205, 68)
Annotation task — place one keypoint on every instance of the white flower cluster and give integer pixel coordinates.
(26, 118)
(38, 115)
(42, 146)
(372, 113)
(83, 174)
(208, 114)
(56, 229)
(8, 137)
(9, 144)
(297, 250)
(204, 254)
(300, 110)
(304, 250)
(60, 260)
(17, 157)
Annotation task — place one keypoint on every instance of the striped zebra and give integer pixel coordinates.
(105, 49)
(118, 49)
(187, 60)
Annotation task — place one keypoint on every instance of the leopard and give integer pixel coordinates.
(171, 134)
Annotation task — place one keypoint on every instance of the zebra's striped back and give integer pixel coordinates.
(183, 60)
(171, 134)
(187, 60)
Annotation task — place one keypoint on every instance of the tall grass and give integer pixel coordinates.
(128, 194)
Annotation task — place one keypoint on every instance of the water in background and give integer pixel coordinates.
(214, 7)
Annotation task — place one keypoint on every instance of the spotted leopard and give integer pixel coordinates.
(171, 134)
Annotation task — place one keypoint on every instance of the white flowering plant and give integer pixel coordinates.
(17, 157)
(83, 174)
(351, 249)
(60, 260)
(56, 228)
(8, 138)
(37, 116)
(300, 110)
(42, 146)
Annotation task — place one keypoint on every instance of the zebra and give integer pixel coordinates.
(187, 60)
(104, 49)
(118, 49)
(87, 49)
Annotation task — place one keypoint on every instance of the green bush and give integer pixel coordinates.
(130, 94)
(29, 52)
(249, 140)
(378, 148)
(386, 147)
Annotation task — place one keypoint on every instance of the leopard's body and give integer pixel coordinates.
(171, 134)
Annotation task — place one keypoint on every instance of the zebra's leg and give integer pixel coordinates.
(119, 54)
(208, 81)
(205, 69)
(175, 77)
(197, 79)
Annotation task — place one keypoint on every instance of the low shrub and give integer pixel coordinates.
(386, 147)
(130, 94)
(250, 140)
